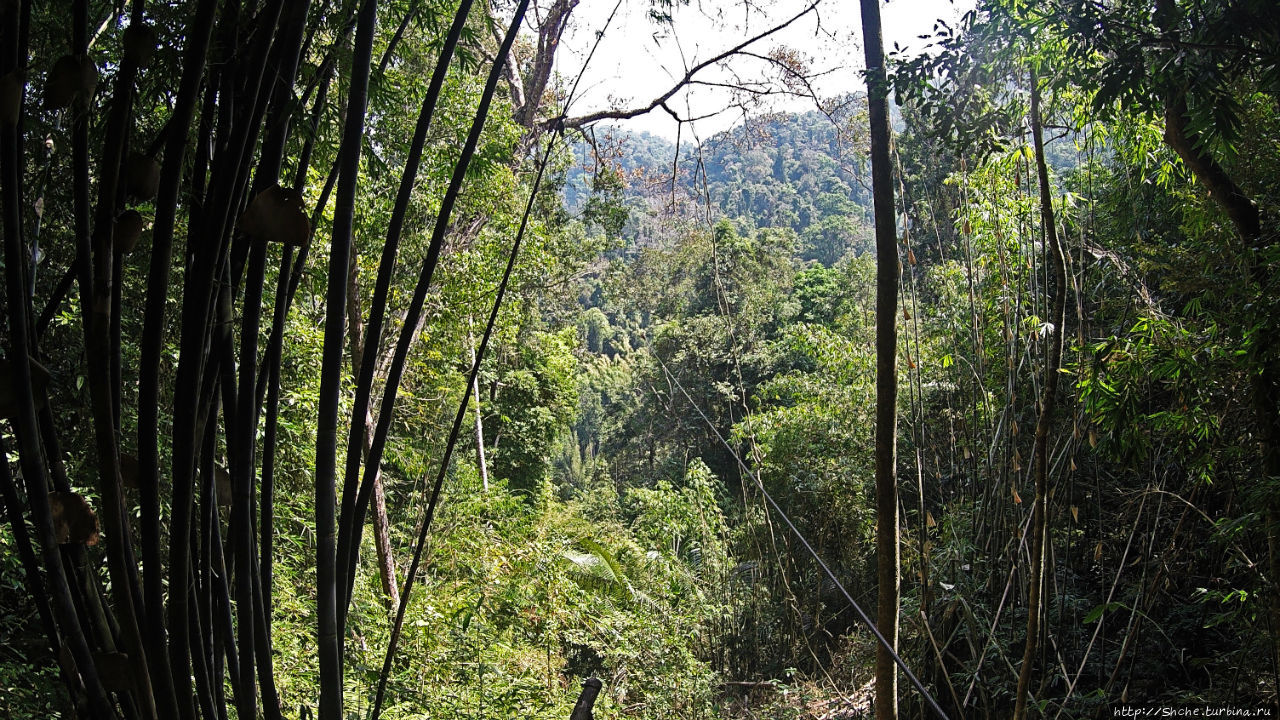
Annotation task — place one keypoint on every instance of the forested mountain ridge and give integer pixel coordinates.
(804, 171)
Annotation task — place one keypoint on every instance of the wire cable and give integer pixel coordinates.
(866, 620)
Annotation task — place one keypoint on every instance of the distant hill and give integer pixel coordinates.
(803, 171)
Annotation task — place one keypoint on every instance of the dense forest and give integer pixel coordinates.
(348, 370)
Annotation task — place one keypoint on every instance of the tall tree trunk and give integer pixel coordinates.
(888, 571)
(361, 448)
(1048, 402)
(94, 259)
(1263, 357)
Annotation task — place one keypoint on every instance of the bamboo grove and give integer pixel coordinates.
(231, 163)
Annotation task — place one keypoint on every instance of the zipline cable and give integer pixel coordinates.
(866, 620)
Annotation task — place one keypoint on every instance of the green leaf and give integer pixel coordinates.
(1100, 610)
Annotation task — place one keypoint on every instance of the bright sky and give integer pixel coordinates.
(639, 59)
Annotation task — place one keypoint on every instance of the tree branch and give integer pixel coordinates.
(687, 79)
(1242, 210)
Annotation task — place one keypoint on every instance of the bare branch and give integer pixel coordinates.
(687, 79)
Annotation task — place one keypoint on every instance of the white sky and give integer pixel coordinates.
(639, 59)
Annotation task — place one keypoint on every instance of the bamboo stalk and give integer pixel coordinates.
(329, 575)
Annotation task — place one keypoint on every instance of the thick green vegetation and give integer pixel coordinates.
(684, 330)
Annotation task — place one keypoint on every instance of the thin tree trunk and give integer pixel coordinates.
(1048, 404)
(381, 525)
(382, 530)
(408, 332)
(94, 263)
(475, 394)
(446, 207)
(888, 571)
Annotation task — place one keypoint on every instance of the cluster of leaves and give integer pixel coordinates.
(521, 600)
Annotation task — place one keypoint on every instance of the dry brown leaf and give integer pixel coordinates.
(128, 228)
(73, 519)
(141, 176)
(277, 215)
(128, 470)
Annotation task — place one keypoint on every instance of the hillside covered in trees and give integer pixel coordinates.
(350, 369)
